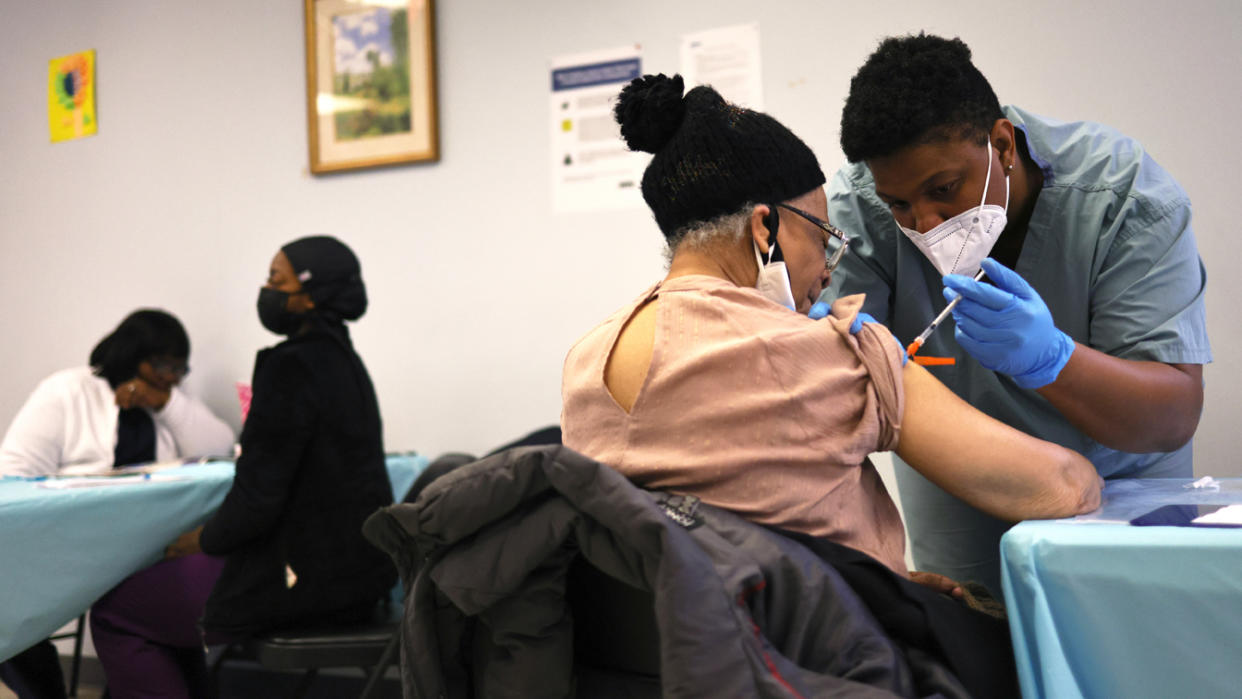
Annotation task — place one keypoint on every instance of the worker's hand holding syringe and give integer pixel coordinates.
(1007, 326)
(913, 347)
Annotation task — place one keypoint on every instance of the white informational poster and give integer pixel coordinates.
(592, 168)
(728, 60)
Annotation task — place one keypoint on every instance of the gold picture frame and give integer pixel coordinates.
(370, 83)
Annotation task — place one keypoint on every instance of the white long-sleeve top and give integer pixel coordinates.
(70, 422)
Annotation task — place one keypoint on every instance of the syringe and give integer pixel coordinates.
(913, 347)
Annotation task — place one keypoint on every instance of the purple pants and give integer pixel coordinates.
(146, 629)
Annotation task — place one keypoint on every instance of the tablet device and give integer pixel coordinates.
(1180, 516)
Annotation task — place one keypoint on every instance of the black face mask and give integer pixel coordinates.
(274, 312)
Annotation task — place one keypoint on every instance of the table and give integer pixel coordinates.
(60, 550)
(1099, 608)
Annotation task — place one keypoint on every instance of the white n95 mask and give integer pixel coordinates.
(773, 282)
(960, 244)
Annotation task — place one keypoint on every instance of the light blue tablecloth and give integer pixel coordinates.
(61, 549)
(1099, 608)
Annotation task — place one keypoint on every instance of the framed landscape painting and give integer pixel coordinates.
(370, 83)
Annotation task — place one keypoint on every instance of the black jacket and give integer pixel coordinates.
(311, 471)
(741, 610)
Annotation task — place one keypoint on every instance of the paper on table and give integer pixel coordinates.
(149, 467)
(1230, 514)
(153, 467)
(105, 481)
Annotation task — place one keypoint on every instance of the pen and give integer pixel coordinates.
(918, 341)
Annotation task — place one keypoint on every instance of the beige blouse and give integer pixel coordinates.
(752, 408)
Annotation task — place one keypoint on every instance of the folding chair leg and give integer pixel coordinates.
(77, 657)
(384, 661)
(305, 683)
(228, 652)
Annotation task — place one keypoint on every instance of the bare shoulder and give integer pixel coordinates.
(630, 357)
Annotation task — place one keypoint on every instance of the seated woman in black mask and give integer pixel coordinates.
(311, 467)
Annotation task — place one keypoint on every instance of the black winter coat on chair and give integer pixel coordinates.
(488, 553)
(311, 470)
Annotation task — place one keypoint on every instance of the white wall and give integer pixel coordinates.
(199, 173)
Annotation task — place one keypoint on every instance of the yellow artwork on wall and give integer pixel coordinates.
(71, 96)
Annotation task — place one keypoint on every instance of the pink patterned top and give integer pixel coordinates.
(752, 408)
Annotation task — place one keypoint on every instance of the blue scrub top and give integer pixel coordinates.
(1109, 248)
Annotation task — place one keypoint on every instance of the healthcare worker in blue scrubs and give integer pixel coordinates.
(1089, 330)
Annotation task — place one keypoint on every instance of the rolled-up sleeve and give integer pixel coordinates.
(880, 353)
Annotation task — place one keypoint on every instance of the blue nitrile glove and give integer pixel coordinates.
(819, 310)
(867, 318)
(1008, 327)
(859, 320)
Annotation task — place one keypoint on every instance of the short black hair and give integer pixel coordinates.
(912, 90)
(144, 334)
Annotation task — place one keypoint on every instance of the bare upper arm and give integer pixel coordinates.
(996, 468)
(630, 357)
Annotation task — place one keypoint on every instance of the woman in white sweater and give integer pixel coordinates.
(77, 419)
(125, 408)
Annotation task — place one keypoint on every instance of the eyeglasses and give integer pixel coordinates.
(170, 367)
(835, 243)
